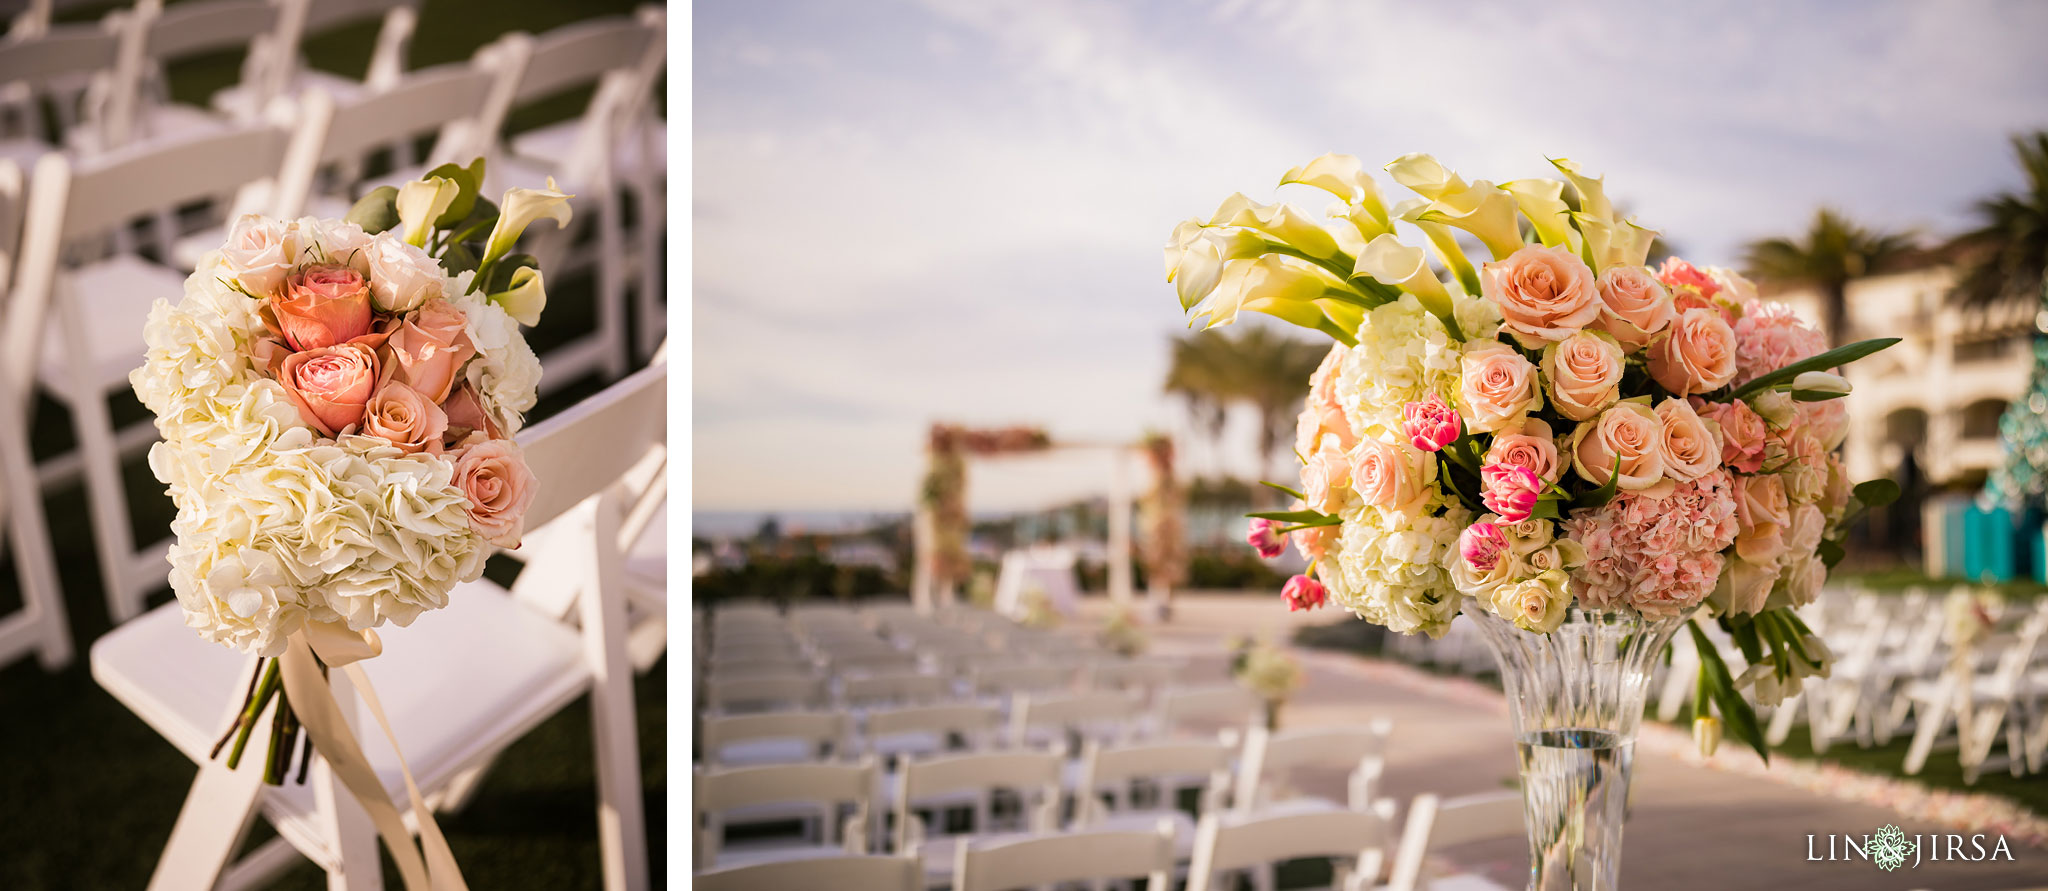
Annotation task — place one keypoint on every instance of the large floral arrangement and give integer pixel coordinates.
(337, 400)
(1559, 424)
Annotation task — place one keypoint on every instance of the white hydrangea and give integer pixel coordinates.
(505, 372)
(197, 347)
(1392, 566)
(1403, 355)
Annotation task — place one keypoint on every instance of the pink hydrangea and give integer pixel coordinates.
(1660, 555)
(1264, 537)
(1302, 592)
(1770, 336)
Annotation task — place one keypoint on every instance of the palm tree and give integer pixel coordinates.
(1213, 370)
(2010, 243)
(1832, 253)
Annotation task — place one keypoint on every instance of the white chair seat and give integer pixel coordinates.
(234, 101)
(937, 853)
(748, 753)
(512, 665)
(1147, 821)
(113, 297)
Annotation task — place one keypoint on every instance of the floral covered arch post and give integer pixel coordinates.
(1579, 452)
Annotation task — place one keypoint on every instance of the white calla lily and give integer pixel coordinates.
(1592, 193)
(1542, 201)
(1184, 237)
(1390, 262)
(1202, 264)
(525, 298)
(1344, 177)
(1821, 382)
(1425, 175)
(422, 201)
(1483, 210)
(1283, 223)
(1610, 243)
(1272, 284)
(1415, 211)
(520, 209)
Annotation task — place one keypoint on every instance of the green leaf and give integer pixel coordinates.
(501, 271)
(1306, 517)
(458, 259)
(1741, 719)
(1329, 521)
(1297, 495)
(469, 180)
(1743, 630)
(1605, 493)
(376, 211)
(1876, 493)
(1831, 552)
(1545, 509)
(1834, 358)
(1815, 395)
(478, 224)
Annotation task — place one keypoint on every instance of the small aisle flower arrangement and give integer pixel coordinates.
(1579, 452)
(337, 400)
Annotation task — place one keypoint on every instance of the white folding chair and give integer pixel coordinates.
(153, 36)
(772, 738)
(71, 67)
(1005, 681)
(973, 779)
(40, 625)
(1270, 757)
(1441, 824)
(308, 21)
(767, 791)
(893, 688)
(1001, 864)
(764, 692)
(1131, 786)
(851, 872)
(76, 328)
(1226, 844)
(1996, 700)
(1061, 719)
(1221, 710)
(500, 663)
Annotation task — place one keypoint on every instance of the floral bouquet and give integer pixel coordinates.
(1121, 634)
(1558, 425)
(1269, 672)
(337, 400)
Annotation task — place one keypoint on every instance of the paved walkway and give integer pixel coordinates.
(1691, 827)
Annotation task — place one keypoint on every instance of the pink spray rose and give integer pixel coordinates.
(1302, 592)
(1633, 305)
(331, 385)
(493, 475)
(1430, 424)
(1764, 512)
(1508, 491)
(1482, 546)
(1698, 356)
(1543, 293)
(1691, 448)
(1676, 273)
(1770, 336)
(1630, 432)
(402, 416)
(1528, 445)
(322, 306)
(1584, 370)
(429, 348)
(1264, 538)
(1742, 432)
(1387, 475)
(1498, 386)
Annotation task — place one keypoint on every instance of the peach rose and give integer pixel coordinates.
(399, 413)
(1677, 274)
(1749, 586)
(331, 385)
(493, 476)
(1584, 372)
(1530, 446)
(1499, 386)
(1325, 475)
(1633, 305)
(1691, 447)
(1387, 474)
(429, 348)
(322, 306)
(258, 254)
(1763, 513)
(1543, 293)
(466, 413)
(1629, 431)
(1698, 356)
(1742, 432)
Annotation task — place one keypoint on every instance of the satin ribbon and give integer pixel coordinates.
(426, 866)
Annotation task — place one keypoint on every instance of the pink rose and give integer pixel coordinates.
(1323, 412)
(429, 348)
(1508, 491)
(322, 306)
(1384, 474)
(1584, 371)
(1633, 306)
(1324, 476)
(1264, 539)
(1691, 449)
(1630, 432)
(1543, 293)
(1302, 592)
(1314, 541)
(1528, 446)
(493, 476)
(331, 385)
(401, 415)
(1764, 513)
(402, 277)
(465, 411)
(1499, 386)
(1698, 356)
(1677, 273)
(257, 254)
(1770, 336)
(1430, 424)
(1827, 421)
(1482, 545)
(1749, 586)
(1742, 432)
(1734, 288)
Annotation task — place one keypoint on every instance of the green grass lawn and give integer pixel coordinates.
(90, 791)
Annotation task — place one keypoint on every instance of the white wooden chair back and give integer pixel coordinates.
(1224, 844)
(822, 730)
(975, 725)
(70, 65)
(455, 101)
(1222, 707)
(1433, 823)
(63, 51)
(1113, 768)
(387, 58)
(1103, 715)
(729, 666)
(1033, 776)
(40, 624)
(1083, 856)
(894, 688)
(1269, 757)
(2010, 670)
(1013, 679)
(580, 54)
(830, 785)
(763, 692)
(852, 872)
(153, 35)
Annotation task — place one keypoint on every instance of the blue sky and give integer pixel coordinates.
(918, 209)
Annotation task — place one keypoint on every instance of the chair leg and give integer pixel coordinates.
(1930, 718)
(111, 535)
(29, 535)
(621, 826)
(212, 822)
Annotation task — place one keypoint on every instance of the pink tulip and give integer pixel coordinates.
(1509, 491)
(1264, 537)
(1430, 424)
(1302, 592)
(1482, 544)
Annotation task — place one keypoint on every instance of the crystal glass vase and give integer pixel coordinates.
(1575, 697)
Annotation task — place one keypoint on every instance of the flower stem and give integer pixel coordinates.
(265, 689)
(236, 724)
